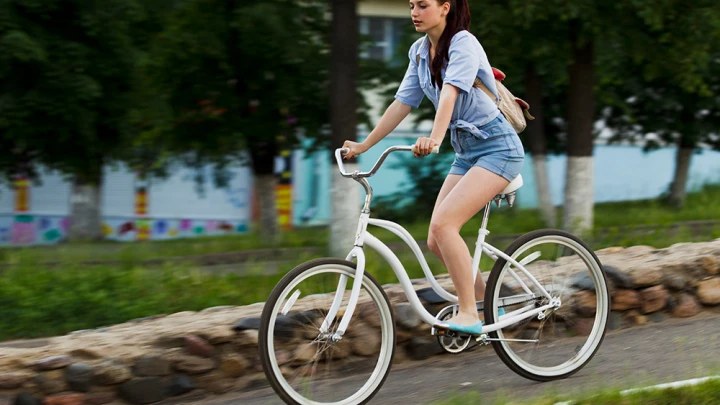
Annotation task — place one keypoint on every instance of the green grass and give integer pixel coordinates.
(706, 393)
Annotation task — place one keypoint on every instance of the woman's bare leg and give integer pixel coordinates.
(464, 199)
(450, 181)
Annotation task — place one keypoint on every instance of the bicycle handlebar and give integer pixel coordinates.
(340, 151)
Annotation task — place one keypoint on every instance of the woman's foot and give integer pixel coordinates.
(464, 319)
(467, 323)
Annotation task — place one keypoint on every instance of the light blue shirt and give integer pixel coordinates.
(467, 60)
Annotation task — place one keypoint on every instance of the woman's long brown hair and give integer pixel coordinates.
(458, 19)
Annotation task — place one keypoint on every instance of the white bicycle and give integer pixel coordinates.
(327, 332)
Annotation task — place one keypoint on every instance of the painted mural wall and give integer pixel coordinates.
(132, 209)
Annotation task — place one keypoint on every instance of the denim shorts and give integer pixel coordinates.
(498, 150)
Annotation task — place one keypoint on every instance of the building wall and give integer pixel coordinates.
(164, 209)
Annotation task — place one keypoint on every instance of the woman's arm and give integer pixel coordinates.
(448, 95)
(392, 117)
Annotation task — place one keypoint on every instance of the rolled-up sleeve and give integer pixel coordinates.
(463, 63)
(410, 92)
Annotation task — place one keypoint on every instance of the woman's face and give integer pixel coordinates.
(428, 14)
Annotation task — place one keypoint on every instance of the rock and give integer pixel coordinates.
(635, 318)
(180, 384)
(657, 317)
(368, 312)
(169, 341)
(49, 385)
(582, 326)
(216, 383)
(430, 296)
(247, 323)
(709, 291)
(616, 321)
(653, 299)
(234, 366)
(144, 390)
(420, 348)
(99, 398)
(52, 363)
(79, 376)
(65, 399)
(248, 338)
(366, 342)
(192, 396)
(198, 346)
(88, 354)
(304, 352)
(193, 364)
(711, 264)
(625, 299)
(10, 381)
(585, 303)
(687, 306)
(217, 336)
(151, 365)
(25, 398)
(644, 276)
(582, 281)
(675, 280)
(618, 278)
(111, 371)
(219, 308)
(406, 316)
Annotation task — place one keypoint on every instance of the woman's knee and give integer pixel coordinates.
(439, 228)
(432, 243)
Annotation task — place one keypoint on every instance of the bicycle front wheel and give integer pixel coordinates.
(304, 359)
(559, 341)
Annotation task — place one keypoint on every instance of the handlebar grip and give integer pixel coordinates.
(436, 149)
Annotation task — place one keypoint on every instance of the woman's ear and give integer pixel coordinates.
(446, 8)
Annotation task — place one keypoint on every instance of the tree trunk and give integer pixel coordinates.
(265, 188)
(579, 198)
(265, 184)
(85, 221)
(538, 145)
(682, 168)
(345, 203)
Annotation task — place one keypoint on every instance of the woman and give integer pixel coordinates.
(488, 152)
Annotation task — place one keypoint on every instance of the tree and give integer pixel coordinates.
(66, 72)
(344, 49)
(240, 80)
(662, 112)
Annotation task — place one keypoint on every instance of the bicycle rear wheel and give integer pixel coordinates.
(306, 365)
(568, 335)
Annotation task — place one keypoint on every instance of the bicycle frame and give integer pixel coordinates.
(364, 237)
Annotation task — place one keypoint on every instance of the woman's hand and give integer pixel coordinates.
(424, 146)
(356, 149)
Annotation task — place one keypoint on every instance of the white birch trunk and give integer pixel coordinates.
(85, 221)
(579, 196)
(345, 210)
(542, 182)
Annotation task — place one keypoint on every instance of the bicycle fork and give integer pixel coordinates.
(359, 253)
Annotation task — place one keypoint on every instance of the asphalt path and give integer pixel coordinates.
(672, 350)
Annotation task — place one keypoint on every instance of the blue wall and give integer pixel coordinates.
(621, 173)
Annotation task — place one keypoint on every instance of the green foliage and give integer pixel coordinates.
(66, 71)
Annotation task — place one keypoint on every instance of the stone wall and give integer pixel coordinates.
(191, 355)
